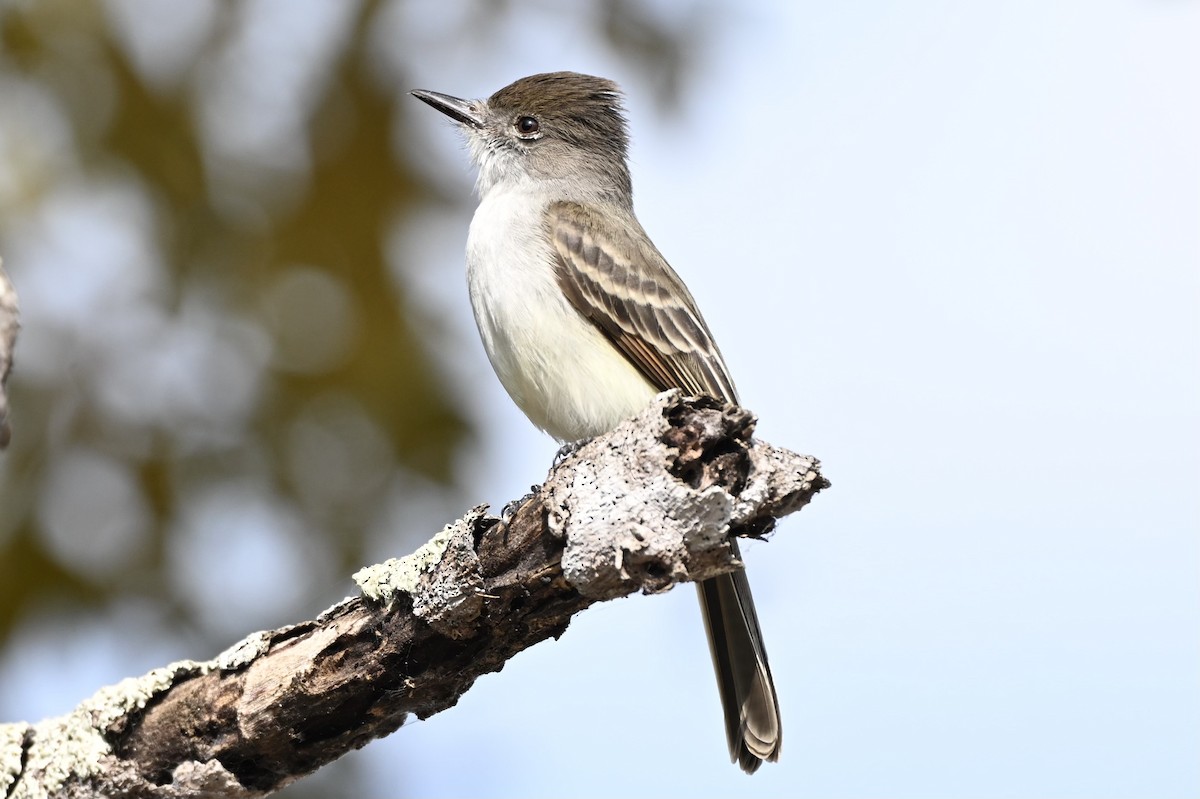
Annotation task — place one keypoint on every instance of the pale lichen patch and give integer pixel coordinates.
(382, 581)
(73, 747)
(244, 651)
(12, 736)
(441, 578)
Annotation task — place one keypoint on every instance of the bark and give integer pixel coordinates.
(649, 505)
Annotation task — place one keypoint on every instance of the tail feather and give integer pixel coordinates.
(752, 725)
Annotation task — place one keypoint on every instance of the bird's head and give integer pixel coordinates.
(555, 127)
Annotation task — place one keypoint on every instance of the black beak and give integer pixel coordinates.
(462, 111)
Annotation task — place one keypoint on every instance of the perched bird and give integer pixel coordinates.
(585, 322)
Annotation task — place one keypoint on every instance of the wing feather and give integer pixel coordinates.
(613, 275)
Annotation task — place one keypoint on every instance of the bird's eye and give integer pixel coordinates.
(528, 126)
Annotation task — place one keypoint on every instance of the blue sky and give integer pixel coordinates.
(954, 251)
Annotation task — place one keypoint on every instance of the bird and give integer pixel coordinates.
(585, 322)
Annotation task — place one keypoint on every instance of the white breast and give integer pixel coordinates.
(559, 369)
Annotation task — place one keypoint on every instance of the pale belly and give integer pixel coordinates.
(558, 368)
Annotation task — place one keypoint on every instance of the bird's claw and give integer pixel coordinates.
(511, 508)
(568, 449)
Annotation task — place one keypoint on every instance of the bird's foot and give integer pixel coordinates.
(569, 449)
(510, 509)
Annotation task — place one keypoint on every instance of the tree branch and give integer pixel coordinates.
(650, 504)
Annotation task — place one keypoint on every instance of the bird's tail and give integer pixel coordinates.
(752, 724)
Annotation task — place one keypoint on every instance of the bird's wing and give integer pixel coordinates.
(613, 275)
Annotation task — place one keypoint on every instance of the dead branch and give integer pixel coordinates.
(650, 504)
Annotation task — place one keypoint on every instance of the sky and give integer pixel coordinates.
(952, 250)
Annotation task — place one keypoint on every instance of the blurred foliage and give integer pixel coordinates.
(204, 253)
(198, 206)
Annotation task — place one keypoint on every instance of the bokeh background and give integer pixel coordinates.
(953, 249)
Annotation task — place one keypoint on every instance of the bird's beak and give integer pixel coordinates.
(462, 111)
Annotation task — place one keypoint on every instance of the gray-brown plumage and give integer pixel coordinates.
(610, 270)
(584, 321)
(616, 278)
